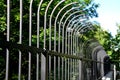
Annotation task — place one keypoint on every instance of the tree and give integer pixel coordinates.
(115, 47)
(103, 37)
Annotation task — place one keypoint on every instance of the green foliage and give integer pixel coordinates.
(2, 16)
(101, 35)
(115, 47)
(111, 44)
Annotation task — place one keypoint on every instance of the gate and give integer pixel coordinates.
(44, 42)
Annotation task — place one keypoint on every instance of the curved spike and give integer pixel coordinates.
(38, 22)
(57, 19)
(45, 19)
(78, 29)
(30, 22)
(68, 25)
(81, 28)
(72, 49)
(51, 20)
(61, 23)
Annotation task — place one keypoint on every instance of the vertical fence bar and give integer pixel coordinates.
(80, 68)
(72, 62)
(73, 68)
(76, 72)
(29, 68)
(66, 33)
(7, 65)
(63, 18)
(43, 58)
(68, 69)
(19, 73)
(64, 26)
(58, 38)
(78, 51)
(8, 38)
(54, 41)
(63, 33)
(70, 27)
(37, 67)
(62, 75)
(20, 41)
(30, 38)
(38, 35)
(65, 68)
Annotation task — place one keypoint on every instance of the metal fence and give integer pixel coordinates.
(48, 45)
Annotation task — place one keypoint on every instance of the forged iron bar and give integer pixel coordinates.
(45, 20)
(54, 44)
(60, 24)
(79, 29)
(80, 69)
(44, 67)
(51, 20)
(35, 50)
(72, 49)
(20, 41)
(67, 27)
(37, 67)
(29, 67)
(7, 65)
(8, 39)
(76, 27)
(62, 67)
(43, 58)
(72, 61)
(52, 53)
(38, 23)
(38, 35)
(72, 39)
(68, 69)
(66, 37)
(30, 38)
(58, 16)
(59, 31)
(19, 72)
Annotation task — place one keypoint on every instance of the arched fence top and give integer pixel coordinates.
(45, 41)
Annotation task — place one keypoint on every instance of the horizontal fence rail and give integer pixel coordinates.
(44, 40)
(35, 50)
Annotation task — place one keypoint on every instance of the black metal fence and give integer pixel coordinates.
(46, 42)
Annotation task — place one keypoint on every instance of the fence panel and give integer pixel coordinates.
(43, 41)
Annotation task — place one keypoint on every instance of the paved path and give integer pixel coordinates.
(108, 76)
